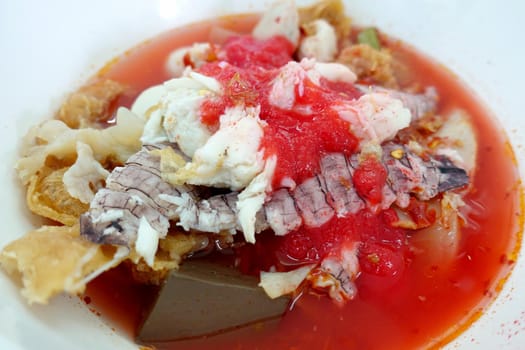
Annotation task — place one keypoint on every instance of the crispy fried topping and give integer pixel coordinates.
(90, 105)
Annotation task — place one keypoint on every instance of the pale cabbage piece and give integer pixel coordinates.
(85, 176)
(276, 284)
(458, 140)
(440, 242)
(230, 158)
(54, 138)
(55, 259)
(282, 18)
(252, 198)
(47, 196)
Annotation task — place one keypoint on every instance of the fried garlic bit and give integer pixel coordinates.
(91, 104)
(55, 259)
(369, 64)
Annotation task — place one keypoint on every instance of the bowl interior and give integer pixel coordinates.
(52, 47)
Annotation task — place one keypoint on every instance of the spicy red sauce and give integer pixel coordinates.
(407, 304)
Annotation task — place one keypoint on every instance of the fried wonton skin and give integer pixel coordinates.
(48, 197)
(55, 259)
(91, 104)
(54, 139)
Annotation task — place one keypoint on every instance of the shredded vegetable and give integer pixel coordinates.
(369, 36)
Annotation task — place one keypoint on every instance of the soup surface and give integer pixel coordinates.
(425, 304)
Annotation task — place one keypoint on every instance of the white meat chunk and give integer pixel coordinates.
(375, 117)
(290, 81)
(190, 56)
(335, 72)
(320, 42)
(230, 158)
(176, 117)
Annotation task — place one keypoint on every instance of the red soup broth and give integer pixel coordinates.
(427, 306)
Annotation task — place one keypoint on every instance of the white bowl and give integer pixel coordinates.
(49, 48)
